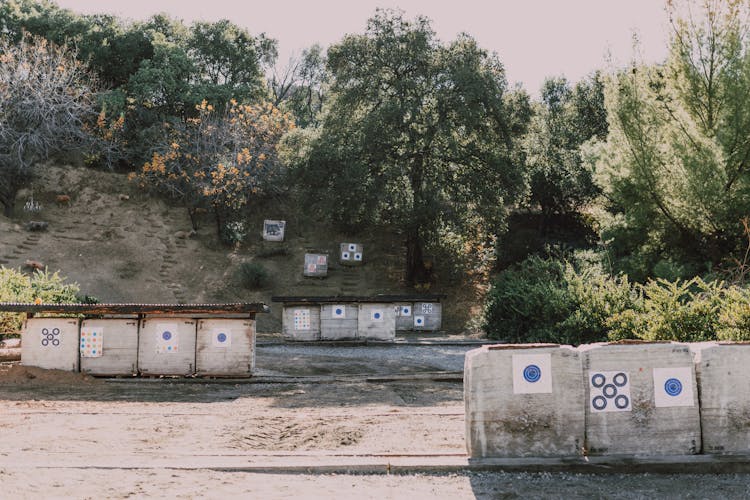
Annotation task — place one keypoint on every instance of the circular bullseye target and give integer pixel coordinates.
(166, 335)
(620, 379)
(532, 373)
(45, 342)
(673, 387)
(598, 380)
(609, 391)
(599, 403)
(222, 337)
(622, 402)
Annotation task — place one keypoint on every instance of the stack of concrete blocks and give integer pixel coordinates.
(427, 316)
(316, 265)
(641, 399)
(404, 316)
(524, 401)
(339, 321)
(273, 230)
(167, 346)
(50, 343)
(376, 322)
(301, 322)
(109, 346)
(723, 371)
(351, 254)
(225, 347)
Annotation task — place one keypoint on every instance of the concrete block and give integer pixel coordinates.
(524, 401)
(301, 322)
(404, 316)
(351, 254)
(723, 371)
(50, 343)
(427, 316)
(166, 346)
(376, 322)
(339, 321)
(225, 347)
(109, 346)
(641, 399)
(316, 265)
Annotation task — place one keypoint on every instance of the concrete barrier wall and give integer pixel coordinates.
(109, 346)
(524, 402)
(376, 322)
(225, 347)
(50, 343)
(338, 321)
(301, 322)
(723, 372)
(167, 346)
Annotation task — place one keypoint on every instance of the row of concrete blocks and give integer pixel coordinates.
(607, 399)
(358, 321)
(150, 346)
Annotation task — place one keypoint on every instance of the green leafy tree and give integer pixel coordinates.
(416, 135)
(675, 164)
(300, 86)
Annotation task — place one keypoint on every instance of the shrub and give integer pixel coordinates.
(734, 316)
(253, 275)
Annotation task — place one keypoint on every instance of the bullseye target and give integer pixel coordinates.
(673, 387)
(221, 338)
(345, 256)
(167, 338)
(418, 321)
(532, 373)
(352, 247)
(50, 337)
(377, 315)
(610, 391)
(358, 256)
(338, 312)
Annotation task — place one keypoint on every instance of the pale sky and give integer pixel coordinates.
(533, 38)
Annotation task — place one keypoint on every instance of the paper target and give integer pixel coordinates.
(50, 337)
(221, 338)
(405, 311)
(426, 308)
(322, 260)
(352, 247)
(302, 319)
(311, 268)
(358, 256)
(338, 312)
(92, 342)
(376, 315)
(532, 373)
(673, 387)
(345, 256)
(167, 338)
(610, 391)
(418, 321)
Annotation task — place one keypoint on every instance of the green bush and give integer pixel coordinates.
(253, 275)
(40, 286)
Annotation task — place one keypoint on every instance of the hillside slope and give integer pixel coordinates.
(130, 250)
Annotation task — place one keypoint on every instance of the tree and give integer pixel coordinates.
(415, 135)
(46, 97)
(676, 164)
(299, 86)
(564, 119)
(219, 159)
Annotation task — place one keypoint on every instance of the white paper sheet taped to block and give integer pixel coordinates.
(92, 342)
(610, 391)
(376, 315)
(338, 312)
(221, 338)
(673, 387)
(302, 319)
(532, 373)
(167, 338)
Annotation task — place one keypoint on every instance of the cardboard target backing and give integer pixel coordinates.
(351, 254)
(273, 230)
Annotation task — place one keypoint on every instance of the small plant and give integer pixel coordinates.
(253, 275)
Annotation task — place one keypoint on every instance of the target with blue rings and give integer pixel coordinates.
(222, 337)
(673, 387)
(338, 312)
(609, 391)
(166, 335)
(532, 373)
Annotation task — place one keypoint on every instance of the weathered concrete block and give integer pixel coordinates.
(339, 321)
(524, 401)
(50, 343)
(166, 346)
(404, 316)
(109, 346)
(723, 371)
(376, 322)
(641, 399)
(428, 316)
(301, 322)
(225, 347)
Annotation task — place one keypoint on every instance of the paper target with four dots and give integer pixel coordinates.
(532, 373)
(610, 391)
(51, 337)
(92, 342)
(673, 387)
(167, 338)
(221, 337)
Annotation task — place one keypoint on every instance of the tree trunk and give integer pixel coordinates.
(8, 201)
(193, 218)
(416, 272)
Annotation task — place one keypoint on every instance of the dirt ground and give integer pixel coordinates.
(67, 435)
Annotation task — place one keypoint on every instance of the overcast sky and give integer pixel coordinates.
(533, 38)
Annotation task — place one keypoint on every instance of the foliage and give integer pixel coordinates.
(253, 275)
(299, 87)
(219, 159)
(40, 286)
(46, 96)
(415, 134)
(674, 164)
(565, 118)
